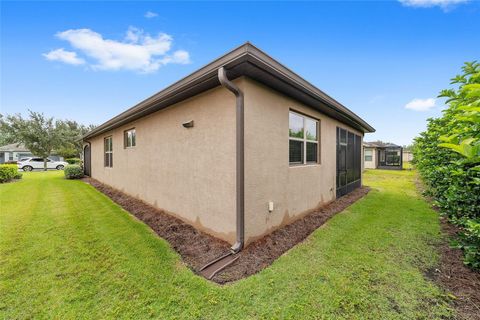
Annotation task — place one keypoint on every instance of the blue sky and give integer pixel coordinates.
(90, 61)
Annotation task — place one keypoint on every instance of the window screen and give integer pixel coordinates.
(349, 161)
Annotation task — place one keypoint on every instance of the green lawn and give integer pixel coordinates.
(67, 251)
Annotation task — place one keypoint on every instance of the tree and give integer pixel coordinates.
(6, 136)
(39, 134)
(43, 135)
(72, 132)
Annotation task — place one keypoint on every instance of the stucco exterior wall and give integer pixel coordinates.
(407, 156)
(294, 190)
(370, 164)
(189, 173)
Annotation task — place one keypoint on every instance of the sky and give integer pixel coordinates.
(384, 60)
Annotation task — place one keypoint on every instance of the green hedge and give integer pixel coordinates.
(447, 156)
(73, 161)
(9, 172)
(73, 171)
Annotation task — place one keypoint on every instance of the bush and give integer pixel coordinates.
(8, 172)
(73, 171)
(18, 175)
(73, 161)
(470, 243)
(447, 156)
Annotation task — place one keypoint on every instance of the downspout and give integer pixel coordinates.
(240, 166)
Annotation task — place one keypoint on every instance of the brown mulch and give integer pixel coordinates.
(454, 276)
(198, 248)
(261, 253)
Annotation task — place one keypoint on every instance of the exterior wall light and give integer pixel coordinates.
(188, 124)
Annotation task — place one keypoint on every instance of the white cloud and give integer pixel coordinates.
(179, 56)
(150, 14)
(444, 4)
(421, 104)
(69, 57)
(138, 51)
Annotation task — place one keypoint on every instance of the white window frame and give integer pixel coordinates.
(110, 159)
(370, 155)
(305, 140)
(125, 138)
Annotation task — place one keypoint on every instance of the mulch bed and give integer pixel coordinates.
(198, 248)
(454, 276)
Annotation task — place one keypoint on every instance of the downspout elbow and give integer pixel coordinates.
(240, 166)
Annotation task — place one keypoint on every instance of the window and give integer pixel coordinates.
(303, 139)
(368, 155)
(129, 138)
(108, 152)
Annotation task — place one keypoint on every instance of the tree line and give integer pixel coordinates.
(44, 135)
(447, 156)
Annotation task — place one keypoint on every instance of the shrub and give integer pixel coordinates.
(18, 175)
(470, 243)
(73, 161)
(8, 172)
(73, 171)
(447, 156)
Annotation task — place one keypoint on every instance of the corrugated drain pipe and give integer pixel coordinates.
(240, 167)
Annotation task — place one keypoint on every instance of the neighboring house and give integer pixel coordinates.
(16, 151)
(407, 156)
(379, 155)
(237, 149)
(13, 152)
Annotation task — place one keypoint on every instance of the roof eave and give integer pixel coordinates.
(206, 78)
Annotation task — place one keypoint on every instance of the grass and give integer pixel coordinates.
(67, 251)
(407, 165)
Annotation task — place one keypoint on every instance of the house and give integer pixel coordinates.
(13, 152)
(237, 149)
(16, 151)
(407, 156)
(380, 155)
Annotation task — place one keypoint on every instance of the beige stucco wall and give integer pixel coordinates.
(407, 156)
(189, 173)
(294, 190)
(370, 164)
